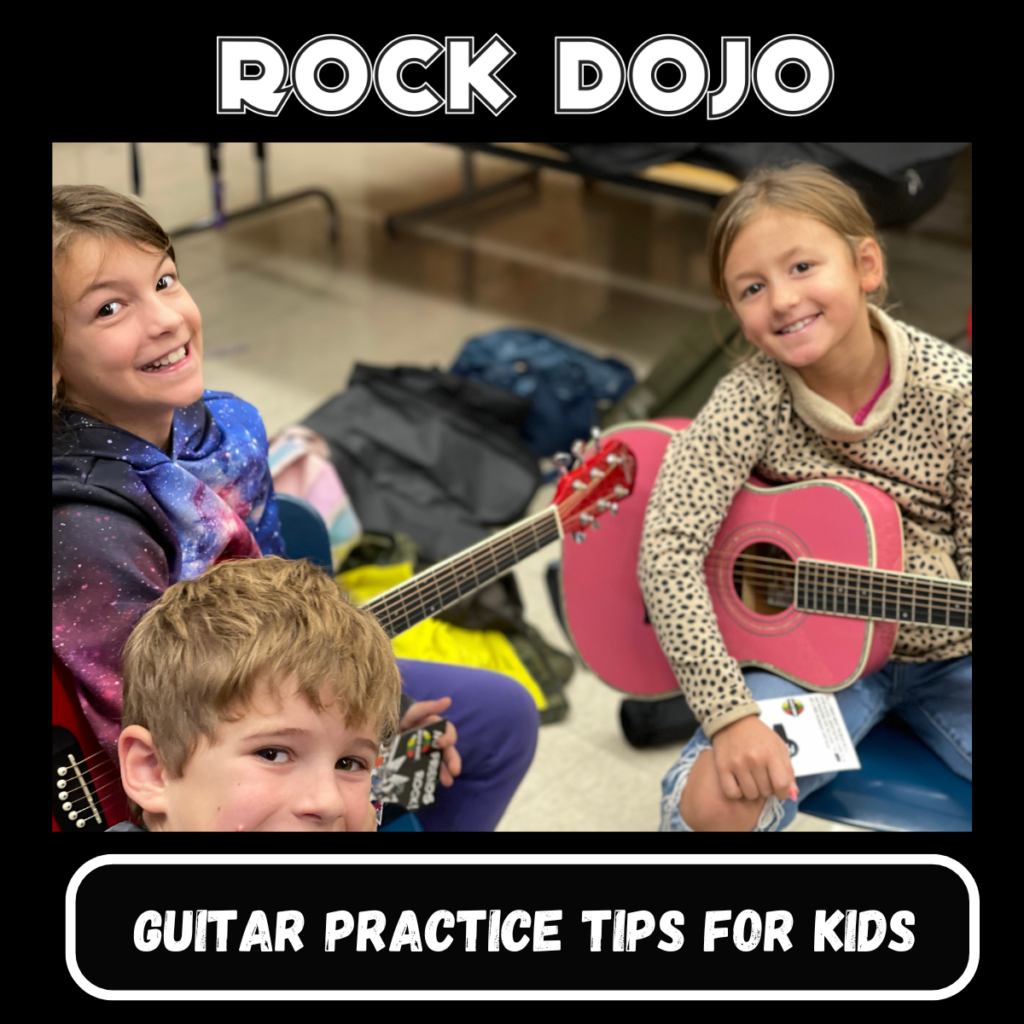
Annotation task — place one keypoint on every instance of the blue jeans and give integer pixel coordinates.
(497, 722)
(933, 698)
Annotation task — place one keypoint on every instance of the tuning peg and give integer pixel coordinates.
(620, 491)
(577, 448)
(614, 508)
(579, 536)
(602, 505)
(596, 474)
(613, 459)
(562, 461)
(578, 485)
(595, 432)
(586, 519)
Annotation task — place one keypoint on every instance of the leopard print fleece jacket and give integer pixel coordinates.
(915, 445)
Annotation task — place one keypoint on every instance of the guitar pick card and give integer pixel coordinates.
(406, 772)
(813, 728)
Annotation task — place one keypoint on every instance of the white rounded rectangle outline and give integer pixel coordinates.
(421, 860)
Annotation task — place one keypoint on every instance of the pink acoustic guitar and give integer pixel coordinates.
(806, 580)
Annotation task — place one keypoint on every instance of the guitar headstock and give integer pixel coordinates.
(605, 476)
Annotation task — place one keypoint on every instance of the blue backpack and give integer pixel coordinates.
(569, 387)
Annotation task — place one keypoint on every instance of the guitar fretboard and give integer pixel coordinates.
(836, 589)
(446, 583)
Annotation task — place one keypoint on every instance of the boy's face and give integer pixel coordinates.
(794, 287)
(282, 767)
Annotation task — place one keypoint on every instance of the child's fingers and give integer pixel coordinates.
(422, 710)
(451, 760)
(783, 781)
(762, 779)
(748, 784)
(450, 737)
(730, 787)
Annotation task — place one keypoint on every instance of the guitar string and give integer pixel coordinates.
(95, 779)
(878, 591)
(861, 574)
(456, 575)
(567, 508)
(400, 601)
(788, 576)
(903, 595)
(863, 568)
(823, 597)
(84, 802)
(855, 579)
(509, 545)
(401, 604)
(782, 566)
(94, 771)
(877, 607)
(86, 760)
(451, 586)
(878, 586)
(448, 585)
(70, 790)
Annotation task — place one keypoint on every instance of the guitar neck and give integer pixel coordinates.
(835, 589)
(446, 583)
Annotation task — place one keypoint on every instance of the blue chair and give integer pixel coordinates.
(901, 787)
(305, 536)
(304, 531)
(404, 823)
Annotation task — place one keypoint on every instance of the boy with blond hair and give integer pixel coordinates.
(255, 699)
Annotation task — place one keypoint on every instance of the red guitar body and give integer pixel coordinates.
(840, 521)
(72, 738)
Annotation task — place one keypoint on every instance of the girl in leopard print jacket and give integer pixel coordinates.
(837, 388)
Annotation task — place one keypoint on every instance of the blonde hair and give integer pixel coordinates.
(800, 188)
(93, 210)
(199, 654)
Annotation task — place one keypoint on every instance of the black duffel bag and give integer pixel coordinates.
(429, 454)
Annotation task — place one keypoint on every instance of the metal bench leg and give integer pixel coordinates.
(219, 218)
(136, 170)
(469, 193)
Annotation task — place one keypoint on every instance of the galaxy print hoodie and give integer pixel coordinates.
(129, 520)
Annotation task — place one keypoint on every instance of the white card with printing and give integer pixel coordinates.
(813, 728)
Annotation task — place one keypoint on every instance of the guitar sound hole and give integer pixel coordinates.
(763, 578)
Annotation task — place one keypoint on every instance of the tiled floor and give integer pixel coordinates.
(618, 272)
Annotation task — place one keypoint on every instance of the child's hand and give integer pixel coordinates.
(752, 761)
(423, 713)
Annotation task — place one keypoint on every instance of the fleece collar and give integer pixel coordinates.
(835, 423)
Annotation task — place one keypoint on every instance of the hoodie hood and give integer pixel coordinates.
(203, 502)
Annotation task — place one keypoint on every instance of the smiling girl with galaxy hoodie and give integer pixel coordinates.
(156, 479)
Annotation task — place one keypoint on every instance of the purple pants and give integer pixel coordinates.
(497, 722)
